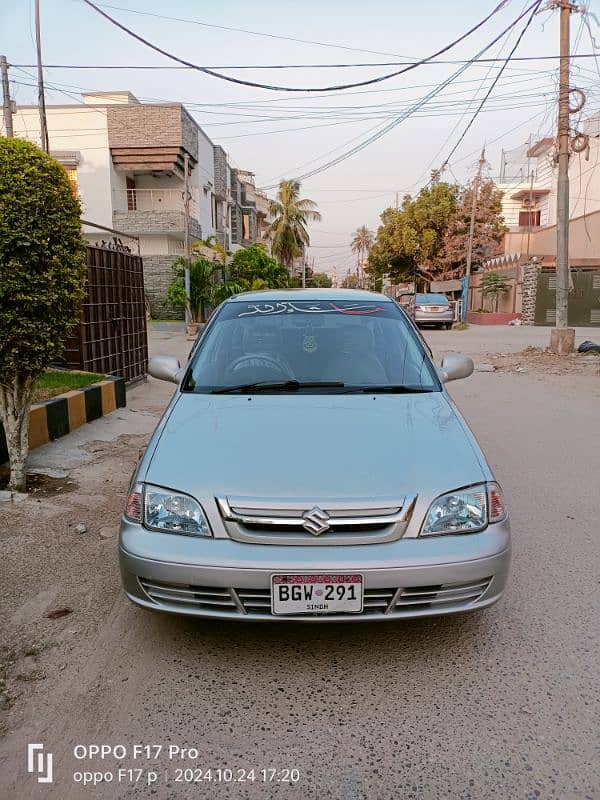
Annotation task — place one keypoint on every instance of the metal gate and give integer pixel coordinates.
(584, 298)
(111, 336)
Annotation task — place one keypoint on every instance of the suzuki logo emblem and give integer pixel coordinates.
(316, 521)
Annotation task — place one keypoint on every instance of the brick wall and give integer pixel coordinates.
(158, 273)
(189, 133)
(531, 274)
(221, 168)
(140, 222)
(145, 126)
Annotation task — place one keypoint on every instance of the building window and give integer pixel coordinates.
(246, 227)
(72, 176)
(214, 213)
(131, 195)
(529, 218)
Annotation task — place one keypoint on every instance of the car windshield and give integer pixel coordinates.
(431, 299)
(310, 346)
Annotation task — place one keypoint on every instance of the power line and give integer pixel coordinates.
(495, 81)
(249, 32)
(433, 161)
(394, 123)
(275, 88)
(424, 62)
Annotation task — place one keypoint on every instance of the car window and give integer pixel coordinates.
(433, 299)
(354, 343)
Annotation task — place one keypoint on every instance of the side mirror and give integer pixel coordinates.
(165, 368)
(455, 366)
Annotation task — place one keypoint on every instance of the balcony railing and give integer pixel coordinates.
(154, 200)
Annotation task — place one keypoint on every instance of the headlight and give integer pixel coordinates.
(463, 511)
(165, 510)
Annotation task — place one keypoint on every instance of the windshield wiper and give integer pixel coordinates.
(388, 389)
(279, 386)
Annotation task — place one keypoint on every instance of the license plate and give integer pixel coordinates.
(316, 594)
(435, 308)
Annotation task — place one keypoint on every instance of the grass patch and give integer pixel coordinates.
(460, 326)
(56, 381)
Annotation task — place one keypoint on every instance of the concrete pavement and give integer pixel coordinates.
(478, 340)
(503, 705)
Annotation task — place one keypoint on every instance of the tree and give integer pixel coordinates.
(410, 240)
(205, 289)
(291, 214)
(488, 233)
(253, 268)
(350, 281)
(361, 243)
(42, 281)
(320, 280)
(494, 284)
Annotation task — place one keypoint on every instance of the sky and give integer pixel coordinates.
(277, 134)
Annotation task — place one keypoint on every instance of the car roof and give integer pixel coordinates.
(309, 294)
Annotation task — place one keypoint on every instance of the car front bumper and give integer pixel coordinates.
(224, 579)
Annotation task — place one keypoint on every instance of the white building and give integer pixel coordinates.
(126, 160)
(529, 177)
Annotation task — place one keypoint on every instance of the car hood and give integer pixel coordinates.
(318, 447)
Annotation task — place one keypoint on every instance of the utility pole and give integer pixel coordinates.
(186, 236)
(41, 97)
(6, 101)
(529, 213)
(476, 183)
(562, 338)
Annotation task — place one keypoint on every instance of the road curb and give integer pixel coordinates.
(66, 412)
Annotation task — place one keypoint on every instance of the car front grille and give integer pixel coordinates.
(216, 601)
(270, 521)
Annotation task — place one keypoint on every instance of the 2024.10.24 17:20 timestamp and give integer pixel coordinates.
(239, 775)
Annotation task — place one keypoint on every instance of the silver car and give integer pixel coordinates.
(433, 309)
(311, 466)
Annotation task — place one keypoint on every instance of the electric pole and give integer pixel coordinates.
(41, 97)
(186, 236)
(6, 101)
(562, 338)
(476, 183)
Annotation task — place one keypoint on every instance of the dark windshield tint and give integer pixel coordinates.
(431, 299)
(352, 343)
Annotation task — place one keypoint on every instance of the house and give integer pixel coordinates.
(126, 159)
(528, 179)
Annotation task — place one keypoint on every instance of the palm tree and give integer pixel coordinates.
(291, 214)
(361, 243)
(205, 288)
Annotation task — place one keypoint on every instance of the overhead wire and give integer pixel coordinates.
(365, 64)
(395, 122)
(433, 161)
(495, 81)
(272, 87)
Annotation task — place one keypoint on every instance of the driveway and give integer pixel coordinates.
(503, 705)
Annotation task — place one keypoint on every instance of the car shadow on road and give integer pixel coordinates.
(410, 639)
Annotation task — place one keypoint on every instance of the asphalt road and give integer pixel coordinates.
(502, 705)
